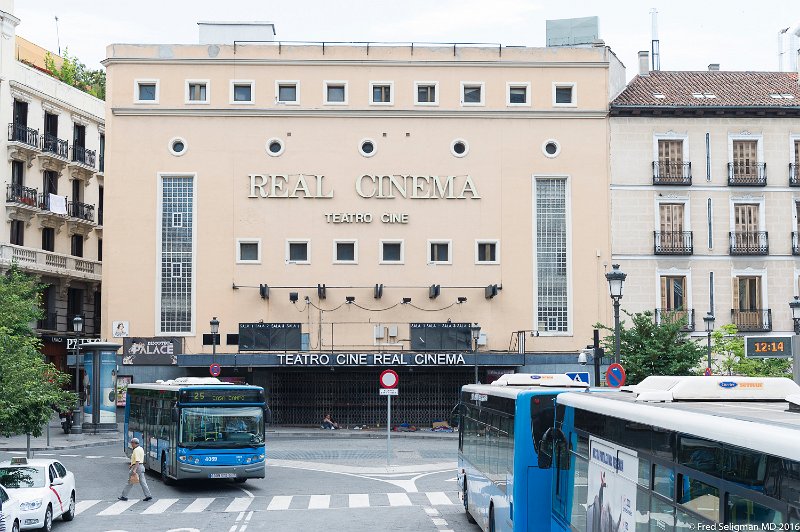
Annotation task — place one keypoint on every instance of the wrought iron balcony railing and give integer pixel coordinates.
(794, 178)
(795, 243)
(663, 314)
(755, 320)
(749, 242)
(83, 156)
(747, 174)
(673, 243)
(23, 134)
(672, 173)
(20, 194)
(84, 211)
(55, 145)
(49, 322)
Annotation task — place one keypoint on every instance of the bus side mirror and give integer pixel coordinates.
(456, 414)
(553, 444)
(175, 414)
(267, 415)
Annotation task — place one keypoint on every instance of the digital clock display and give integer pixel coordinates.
(768, 346)
(222, 395)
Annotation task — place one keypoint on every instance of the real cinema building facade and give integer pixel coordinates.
(343, 209)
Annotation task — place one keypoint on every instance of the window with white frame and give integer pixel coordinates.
(472, 93)
(391, 252)
(298, 251)
(176, 254)
(345, 251)
(335, 92)
(518, 94)
(564, 95)
(381, 92)
(746, 156)
(146, 91)
(486, 252)
(426, 92)
(439, 251)
(242, 91)
(551, 255)
(197, 91)
(248, 251)
(287, 92)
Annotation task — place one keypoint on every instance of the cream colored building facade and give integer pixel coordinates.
(355, 191)
(704, 196)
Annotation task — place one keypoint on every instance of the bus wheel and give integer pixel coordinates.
(470, 519)
(491, 519)
(164, 476)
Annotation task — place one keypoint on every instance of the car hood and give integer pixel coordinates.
(27, 494)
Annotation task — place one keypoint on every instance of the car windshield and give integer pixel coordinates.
(22, 477)
(221, 426)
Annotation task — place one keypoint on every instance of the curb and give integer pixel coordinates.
(63, 447)
(357, 435)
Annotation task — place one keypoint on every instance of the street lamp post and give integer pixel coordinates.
(709, 321)
(77, 326)
(214, 330)
(616, 278)
(476, 333)
(795, 306)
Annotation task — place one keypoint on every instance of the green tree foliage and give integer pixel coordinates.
(75, 73)
(29, 386)
(649, 348)
(728, 348)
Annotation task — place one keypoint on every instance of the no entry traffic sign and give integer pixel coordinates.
(215, 370)
(389, 379)
(615, 375)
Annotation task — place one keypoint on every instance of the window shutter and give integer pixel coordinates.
(736, 293)
(664, 293)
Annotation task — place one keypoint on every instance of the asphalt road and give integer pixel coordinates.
(332, 484)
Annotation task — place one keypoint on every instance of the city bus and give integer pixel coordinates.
(198, 428)
(674, 454)
(500, 424)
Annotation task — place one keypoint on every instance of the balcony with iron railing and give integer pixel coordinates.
(749, 242)
(23, 135)
(672, 173)
(56, 146)
(753, 320)
(83, 156)
(48, 263)
(673, 243)
(795, 243)
(82, 211)
(23, 195)
(670, 315)
(49, 322)
(747, 174)
(794, 178)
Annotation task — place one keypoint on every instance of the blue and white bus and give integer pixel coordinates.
(198, 428)
(677, 454)
(501, 485)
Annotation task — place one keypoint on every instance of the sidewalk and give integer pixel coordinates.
(59, 440)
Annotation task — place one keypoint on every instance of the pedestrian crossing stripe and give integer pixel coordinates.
(274, 503)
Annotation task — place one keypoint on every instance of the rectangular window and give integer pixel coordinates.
(670, 159)
(564, 94)
(242, 92)
(551, 255)
(177, 219)
(18, 232)
(439, 251)
(699, 497)
(391, 252)
(518, 94)
(381, 93)
(146, 91)
(175, 269)
(287, 92)
(100, 250)
(48, 239)
(345, 251)
(486, 252)
(664, 481)
(196, 92)
(17, 173)
(427, 93)
(297, 251)
(77, 245)
(335, 92)
(177, 246)
(249, 251)
(742, 511)
(74, 305)
(471, 93)
(673, 293)
(745, 156)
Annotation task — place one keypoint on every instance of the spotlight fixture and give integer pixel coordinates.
(406, 300)
(434, 290)
(263, 289)
(321, 291)
(462, 299)
(293, 297)
(490, 291)
(350, 299)
(378, 291)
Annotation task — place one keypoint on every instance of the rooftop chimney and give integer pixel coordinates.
(713, 67)
(644, 63)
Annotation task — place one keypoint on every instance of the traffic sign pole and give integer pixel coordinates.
(388, 430)
(388, 381)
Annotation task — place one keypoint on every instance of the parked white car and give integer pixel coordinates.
(9, 512)
(43, 488)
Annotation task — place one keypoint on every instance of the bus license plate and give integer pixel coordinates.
(222, 475)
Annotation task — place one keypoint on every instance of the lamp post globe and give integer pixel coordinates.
(616, 281)
(77, 327)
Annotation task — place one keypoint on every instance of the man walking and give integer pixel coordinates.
(137, 466)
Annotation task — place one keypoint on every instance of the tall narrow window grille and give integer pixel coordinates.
(551, 255)
(176, 249)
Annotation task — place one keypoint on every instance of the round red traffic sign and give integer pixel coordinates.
(215, 370)
(389, 379)
(615, 375)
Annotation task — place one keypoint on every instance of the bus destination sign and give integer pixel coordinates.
(768, 346)
(221, 395)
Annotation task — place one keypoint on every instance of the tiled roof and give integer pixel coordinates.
(711, 89)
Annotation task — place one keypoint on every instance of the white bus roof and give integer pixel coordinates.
(539, 379)
(182, 382)
(713, 388)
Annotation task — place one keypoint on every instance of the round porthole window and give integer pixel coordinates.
(367, 147)
(551, 148)
(177, 146)
(275, 147)
(459, 148)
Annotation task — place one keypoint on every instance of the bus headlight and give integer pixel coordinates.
(196, 460)
(182, 458)
(261, 456)
(248, 460)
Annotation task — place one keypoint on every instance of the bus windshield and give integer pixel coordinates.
(221, 426)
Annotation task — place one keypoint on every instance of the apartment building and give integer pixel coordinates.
(705, 197)
(53, 180)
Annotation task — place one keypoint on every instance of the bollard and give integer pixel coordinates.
(48, 434)
(28, 452)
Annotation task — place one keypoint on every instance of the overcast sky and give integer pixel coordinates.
(738, 34)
